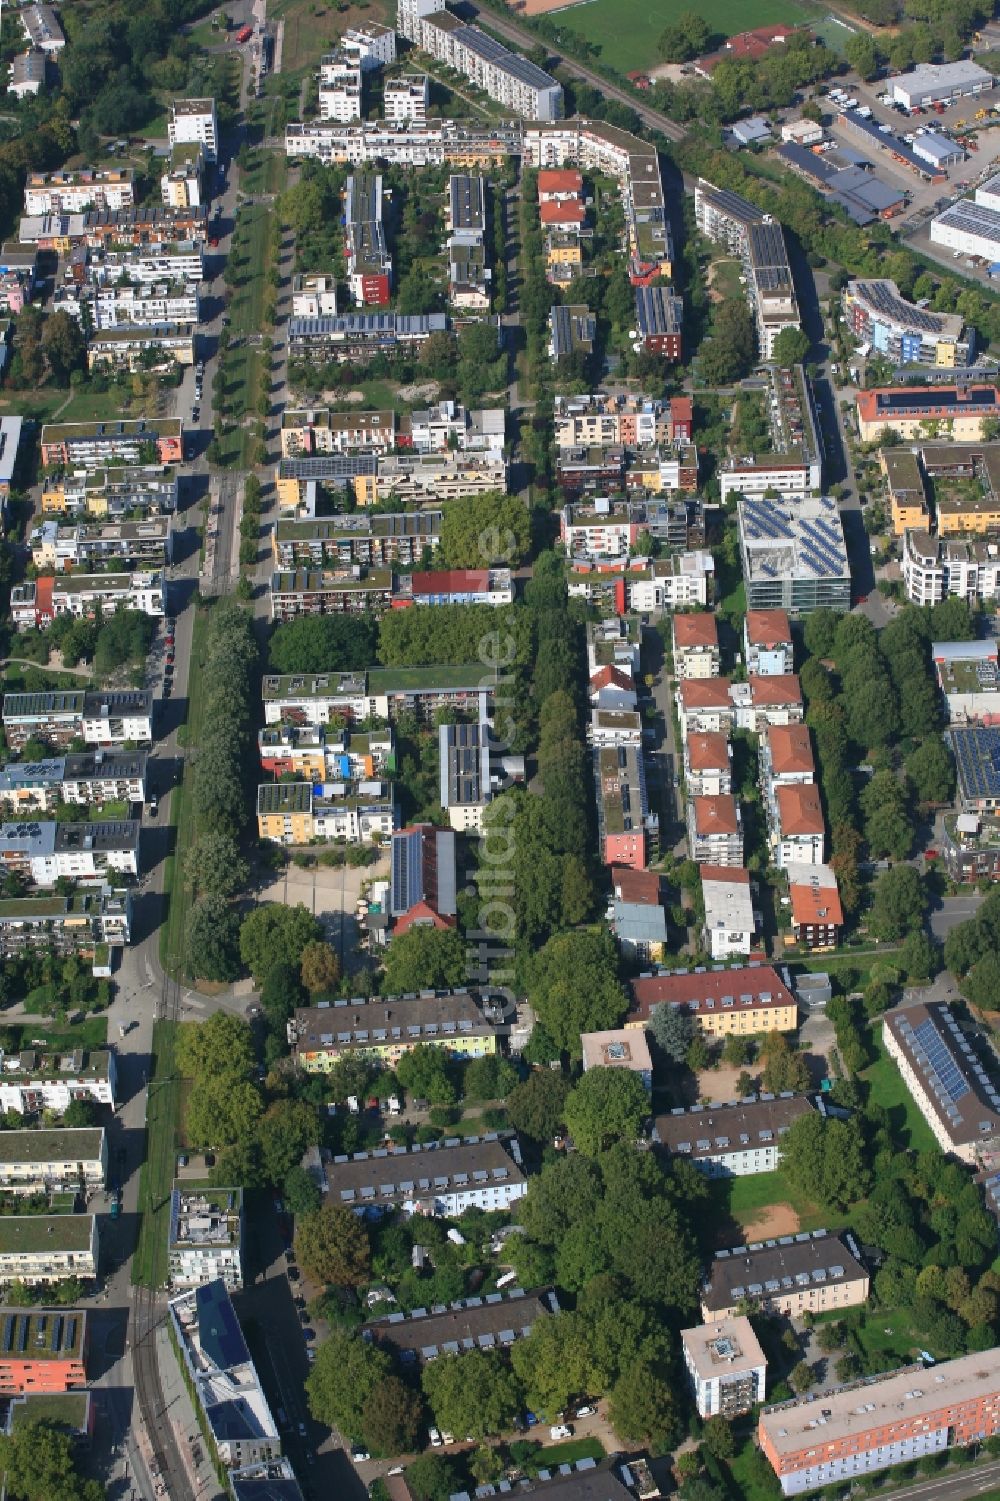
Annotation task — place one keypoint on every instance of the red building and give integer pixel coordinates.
(42, 1350)
(681, 419)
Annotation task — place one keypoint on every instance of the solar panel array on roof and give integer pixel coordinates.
(977, 754)
(218, 1328)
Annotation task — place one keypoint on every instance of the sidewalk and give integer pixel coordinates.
(177, 1404)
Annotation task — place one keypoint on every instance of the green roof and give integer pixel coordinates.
(284, 797)
(82, 1144)
(40, 1232)
(143, 428)
(42, 1334)
(426, 679)
(59, 1409)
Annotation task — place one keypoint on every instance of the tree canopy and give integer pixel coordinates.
(424, 958)
(608, 1105)
(574, 986)
(485, 529)
(275, 934)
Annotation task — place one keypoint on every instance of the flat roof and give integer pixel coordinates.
(32, 1334)
(621, 1047)
(977, 757)
(728, 900)
(31, 1234)
(776, 1268)
(83, 1144)
(723, 1348)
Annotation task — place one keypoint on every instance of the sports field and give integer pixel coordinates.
(626, 31)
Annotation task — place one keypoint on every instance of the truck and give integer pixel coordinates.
(244, 34)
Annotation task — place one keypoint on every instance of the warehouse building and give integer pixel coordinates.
(940, 83)
(969, 229)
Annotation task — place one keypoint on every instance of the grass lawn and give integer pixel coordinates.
(156, 1178)
(182, 812)
(312, 25)
(265, 173)
(726, 278)
(246, 305)
(745, 1201)
(909, 1127)
(624, 33)
(92, 1032)
(38, 405)
(241, 366)
(570, 1452)
(751, 1476)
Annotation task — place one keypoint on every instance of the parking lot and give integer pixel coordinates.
(331, 894)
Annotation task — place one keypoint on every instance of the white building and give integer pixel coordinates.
(120, 305)
(406, 99)
(340, 88)
(935, 567)
(948, 1082)
(314, 296)
(38, 1248)
(69, 1160)
(730, 921)
(162, 263)
(933, 83)
(205, 1237)
(79, 851)
(440, 1178)
(31, 1081)
(767, 643)
(84, 188)
(223, 1375)
(42, 28)
(727, 1367)
(27, 74)
(736, 1140)
(759, 240)
(797, 828)
(802, 132)
(970, 229)
(622, 1047)
(505, 76)
(194, 120)
(675, 583)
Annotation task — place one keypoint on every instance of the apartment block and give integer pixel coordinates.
(708, 764)
(92, 445)
(359, 337)
(88, 596)
(380, 693)
(505, 76)
(304, 591)
(131, 544)
(114, 306)
(403, 538)
(42, 28)
(159, 261)
(369, 264)
(31, 1081)
(104, 719)
(696, 645)
(742, 1000)
(463, 1023)
(730, 920)
(474, 769)
(796, 828)
(715, 830)
(423, 885)
(58, 1161)
(659, 320)
(85, 778)
(935, 569)
(490, 1323)
(816, 911)
(404, 144)
(194, 121)
(795, 1274)
(77, 924)
(405, 99)
(204, 1241)
(767, 643)
(317, 430)
(113, 493)
(295, 813)
(42, 852)
(759, 240)
(38, 1249)
(947, 1079)
(440, 1178)
(225, 1381)
(726, 1366)
(628, 830)
(956, 412)
(182, 184)
(72, 192)
(900, 331)
(792, 463)
(735, 1140)
(43, 1350)
(317, 754)
(705, 706)
(639, 913)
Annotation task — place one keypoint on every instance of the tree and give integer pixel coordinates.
(729, 353)
(801, 1377)
(288, 1127)
(899, 903)
(323, 643)
(423, 1071)
(982, 984)
(333, 1247)
(672, 1030)
(38, 1465)
(346, 1372)
(931, 770)
(737, 1050)
(212, 940)
(574, 987)
(475, 1393)
(488, 1078)
(784, 1068)
(391, 1418)
(819, 632)
(608, 1104)
(862, 54)
(319, 968)
(486, 529)
(63, 345)
(688, 37)
(281, 993)
(214, 865)
(80, 1113)
(718, 1438)
(220, 1046)
(425, 958)
(274, 934)
(826, 1159)
(222, 1111)
(300, 1192)
(642, 1408)
(431, 1477)
(790, 347)
(536, 1107)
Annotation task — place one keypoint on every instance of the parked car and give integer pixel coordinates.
(560, 1430)
(585, 1412)
(435, 1438)
(359, 1454)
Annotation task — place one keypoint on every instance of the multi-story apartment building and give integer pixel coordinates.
(449, 427)
(314, 295)
(425, 479)
(43, 1350)
(705, 706)
(744, 1001)
(37, 1249)
(473, 770)
(463, 1023)
(767, 643)
(904, 479)
(794, 556)
(715, 830)
(726, 1366)
(440, 1178)
(696, 645)
(116, 305)
(369, 264)
(317, 754)
(935, 569)
(159, 262)
(317, 430)
(505, 76)
(618, 1048)
(708, 764)
(34, 605)
(405, 99)
(455, 586)
(796, 827)
(27, 74)
(395, 538)
(903, 333)
(730, 928)
(70, 1160)
(42, 28)
(205, 1239)
(947, 1079)
(492, 1323)
(131, 544)
(129, 347)
(786, 757)
(194, 121)
(659, 320)
(86, 778)
(361, 336)
(224, 1378)
(79, 924)
(381, 693)
(304, 591)
(72, 192)
(181, 185)
(298, 812)
(764, 701)
(734, 1140)
(42, 852)
(896, 1418)
(423, 888)
(628, 829)
(955, 412)
(115, 493)
(794, 464)
(816, 911)
(627, 421)
(18, 272)
(816, 1273)
(340, 87)
(31, 1081)
(759, 240)
(639, 918)
(106, 719)
(439, 143)
(95, 445)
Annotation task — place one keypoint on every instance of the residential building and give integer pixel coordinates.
(319, 754)
(745, 1001)
(42, 29)
(976, 749)
(182, 184)
(110, 307)
(968, 674)
(796, 827)
(767, 643)
(72, 192)
(204, 1242)
(455, 586)
(318, 430)
(424, 877)
(112, 493)
(43, 1350)
(369, 264)
(194, 120)
(340, 88)
(83, 923)
(659, 320)
(622, 1047)
(934, 569)
(572, 330)
(440, 1178)
(505, 76)
(464, 1023)
(304, 591)
(786, 757)
(695, 638)
(406, 98)
(955, 412)
(474, 768)
(900, 331)
(673, 583)
(730, 920)
(583, 1480)
(946, 1077)
(795, 1274)
(130, 544)
(226, 1386)
(380, 693)
(726, 1365)
(94, 445)
(734, 1140)
(708, 764)
(490, 1323)
(639, 915)
(104, 719)
(940, 83)
(43, 852)
(313, 296)
(705, 706)
(793, 464)
(896, 1418)
(816, 911)
(628, 830)
(10, 439)
(168, 262)
(27, 74)
(715, 830)
(359, 337)
(53, 1161)
(270, 1480)
(904, 480)
(128, 347)
(794, 556)
(31, 1080)
(438, 143)
(970, 846)
(88, 596)
(18, 272)
(759, 240)
(296, 813)
(449, 426)
(39, 1249)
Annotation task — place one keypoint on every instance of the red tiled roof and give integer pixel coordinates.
(682, 408)
(611, 677)
(43, 594)
(697, 629)
(768, 628)
(705, 693)
(566, 211)
(747, 988)
(799, 809)
(790, 748)
(644, 887)
(421, 912)
(708, 751)
(747, 46)
(450, 580)
(733, 875)
(780, 689)
(716, 815)
(920, 402)
(559, 180)
(814, 903)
